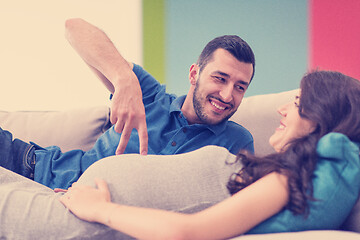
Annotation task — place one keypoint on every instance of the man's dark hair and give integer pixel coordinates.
(231, 43)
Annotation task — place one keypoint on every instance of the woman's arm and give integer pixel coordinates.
(231, 217)
(100, 54)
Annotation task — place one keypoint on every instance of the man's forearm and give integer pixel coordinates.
(97, 50)
(127, 109)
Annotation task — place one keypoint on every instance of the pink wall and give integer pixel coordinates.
(335, 35)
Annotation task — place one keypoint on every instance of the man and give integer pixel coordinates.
(146, 119)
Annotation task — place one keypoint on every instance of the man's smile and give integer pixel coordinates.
(219, 105)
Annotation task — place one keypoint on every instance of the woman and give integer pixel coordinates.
(293, 189)
(312, 182)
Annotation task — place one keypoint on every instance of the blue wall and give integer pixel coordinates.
(277, 31)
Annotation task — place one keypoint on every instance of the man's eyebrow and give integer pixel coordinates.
(243, 82)
(227, 75)
(222, 73)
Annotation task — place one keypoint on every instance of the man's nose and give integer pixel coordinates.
(226, 93)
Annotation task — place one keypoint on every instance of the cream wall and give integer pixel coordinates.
(39, 69)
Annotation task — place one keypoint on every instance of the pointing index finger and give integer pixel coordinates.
(143, 139)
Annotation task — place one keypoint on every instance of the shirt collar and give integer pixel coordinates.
(176, 105)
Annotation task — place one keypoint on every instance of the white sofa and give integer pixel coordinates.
(79, 128)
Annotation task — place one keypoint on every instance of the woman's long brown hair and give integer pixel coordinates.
(332, 101)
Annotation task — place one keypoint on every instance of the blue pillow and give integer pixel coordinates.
(336, 187)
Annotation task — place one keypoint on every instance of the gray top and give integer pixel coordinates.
(186, 182)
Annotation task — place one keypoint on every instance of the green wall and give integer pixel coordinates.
(154, 37)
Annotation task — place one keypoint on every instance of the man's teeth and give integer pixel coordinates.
(281, 127)
(217, 106)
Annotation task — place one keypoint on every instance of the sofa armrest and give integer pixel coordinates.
(70, 129)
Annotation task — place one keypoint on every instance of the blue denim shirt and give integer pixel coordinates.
(168, 133)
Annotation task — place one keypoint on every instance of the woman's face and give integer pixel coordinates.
(291, 126)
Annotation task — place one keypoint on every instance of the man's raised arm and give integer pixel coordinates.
(100, 54)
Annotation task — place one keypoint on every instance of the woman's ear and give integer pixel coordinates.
(194, 74)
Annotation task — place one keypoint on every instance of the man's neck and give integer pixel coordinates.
(188, 110)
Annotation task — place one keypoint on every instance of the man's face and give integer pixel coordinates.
(220, 88)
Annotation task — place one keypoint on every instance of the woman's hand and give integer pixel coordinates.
(87, 202)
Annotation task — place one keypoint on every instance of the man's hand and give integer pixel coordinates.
(127, 113)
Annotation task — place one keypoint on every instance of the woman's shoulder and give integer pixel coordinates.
(335, 142)
(337, 146)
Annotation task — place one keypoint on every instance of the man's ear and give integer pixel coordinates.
(194, 74)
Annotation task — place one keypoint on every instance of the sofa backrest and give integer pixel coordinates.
(79, 128)
(70, 129)
(259, 115)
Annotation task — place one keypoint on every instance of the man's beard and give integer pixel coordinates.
(200, 110)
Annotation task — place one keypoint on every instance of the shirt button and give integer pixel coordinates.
(184, 130)
(173, 144)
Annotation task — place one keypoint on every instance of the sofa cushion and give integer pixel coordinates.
(259, 115)
(70, 129)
